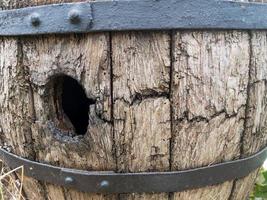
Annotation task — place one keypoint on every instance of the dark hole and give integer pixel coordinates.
(75, 104)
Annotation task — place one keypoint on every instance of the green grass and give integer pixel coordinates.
(260, 188)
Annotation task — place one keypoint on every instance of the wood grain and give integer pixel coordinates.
(14, 113)
(209, 94)
(41, 59)
(163, 102)
(141, 64)
(254, 137)
(84, 58)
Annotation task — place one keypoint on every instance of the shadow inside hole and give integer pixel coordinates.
(75, 104)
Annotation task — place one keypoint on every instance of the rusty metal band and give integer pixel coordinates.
(123, 15)
(111, 182)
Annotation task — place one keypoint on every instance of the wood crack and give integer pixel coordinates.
(185, 116)
(233, 190)
(140, 97)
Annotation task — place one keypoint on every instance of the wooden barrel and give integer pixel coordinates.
(134, 101)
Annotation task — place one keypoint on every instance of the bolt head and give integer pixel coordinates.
(74, 16)
(69, 180)
(35, 19)
(104, 184)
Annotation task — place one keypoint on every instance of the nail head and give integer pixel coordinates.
(35, 19)
(104, 184)
(68, 180)
(75, 16)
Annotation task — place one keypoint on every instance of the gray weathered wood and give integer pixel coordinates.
(154, 112)
(209, 94)
(141, 68)
(39, 60)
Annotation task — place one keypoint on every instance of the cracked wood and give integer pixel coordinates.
(164, 101)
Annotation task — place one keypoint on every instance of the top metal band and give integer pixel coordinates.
(111, 182)
(122, 15)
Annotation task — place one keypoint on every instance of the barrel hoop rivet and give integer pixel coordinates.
(68, 180)
(35, 19)
(104, 184)
(74, 16)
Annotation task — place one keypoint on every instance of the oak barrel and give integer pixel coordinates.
(134, 101)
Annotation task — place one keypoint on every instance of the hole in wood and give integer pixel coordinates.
(75, 104)
(71, 102)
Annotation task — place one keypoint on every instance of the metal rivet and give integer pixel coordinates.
(104, 184)
(35, 19)
(74, 16)
(69, 180)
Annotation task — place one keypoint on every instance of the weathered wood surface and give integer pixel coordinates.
(142, 123)
(164, 101)
(32, 122)
(94, 150)
(209, 91)
(254, 136)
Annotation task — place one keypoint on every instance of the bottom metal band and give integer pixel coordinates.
(111, 182)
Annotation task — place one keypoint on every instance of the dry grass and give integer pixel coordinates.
(10, 184)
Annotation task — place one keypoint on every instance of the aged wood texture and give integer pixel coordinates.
(255, 136)
(209, 94)
(84, 58)
(13, 4)
(15, 118)
(163, 102)
(15, 115)
(141, 68)
(37, 122)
